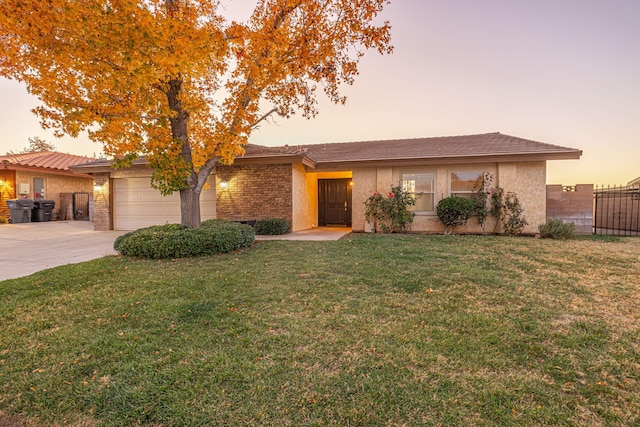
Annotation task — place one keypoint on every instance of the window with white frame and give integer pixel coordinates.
(420, 183)
(465, 183)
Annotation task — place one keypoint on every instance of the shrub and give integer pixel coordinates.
(480, 198)
(3, 220)
(177, 241)
(454, 211)
(557, 229)
(391, 213)
(272, 227)
(512, 218)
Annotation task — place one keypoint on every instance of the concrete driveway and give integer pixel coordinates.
(31, 247)
(28, 248)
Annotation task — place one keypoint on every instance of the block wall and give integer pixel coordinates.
(572, 204)
(254, 192)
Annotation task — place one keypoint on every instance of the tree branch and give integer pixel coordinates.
(264, 117)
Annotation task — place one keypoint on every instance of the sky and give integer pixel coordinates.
(561, 72)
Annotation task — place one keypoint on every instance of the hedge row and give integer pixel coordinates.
(273, 226)
(178, 241)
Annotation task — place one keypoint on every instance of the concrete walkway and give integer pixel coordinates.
(318, 234)
(31, 247)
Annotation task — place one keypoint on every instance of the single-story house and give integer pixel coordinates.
(327, 184)
(41, 175)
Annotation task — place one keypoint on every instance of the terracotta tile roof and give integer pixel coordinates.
(45, 159)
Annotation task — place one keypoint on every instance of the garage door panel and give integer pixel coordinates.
(137, 205)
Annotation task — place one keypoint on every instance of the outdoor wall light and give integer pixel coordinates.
(223, 184)
(98, 184)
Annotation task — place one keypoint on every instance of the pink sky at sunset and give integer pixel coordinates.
(562, 72)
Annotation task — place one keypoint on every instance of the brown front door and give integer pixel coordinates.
(334, 202)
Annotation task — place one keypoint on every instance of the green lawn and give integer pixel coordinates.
(377, 330)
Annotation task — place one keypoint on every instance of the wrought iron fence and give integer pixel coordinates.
(81, 206)
(617, 211)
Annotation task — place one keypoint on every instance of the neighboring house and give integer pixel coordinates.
(327, 184)
(41, 176)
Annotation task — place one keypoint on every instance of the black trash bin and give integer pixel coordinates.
(20, 210)
(42, 210)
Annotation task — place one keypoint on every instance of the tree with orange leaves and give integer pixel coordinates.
(175, 81)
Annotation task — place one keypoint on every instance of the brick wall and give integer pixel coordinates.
(7, 191)
(55, 185)
(102, 220)
(572, 204)
(254, 192)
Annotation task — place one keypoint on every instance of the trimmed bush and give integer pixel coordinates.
(272, 227)
(454, 211)
(557, 229)
(177, 241)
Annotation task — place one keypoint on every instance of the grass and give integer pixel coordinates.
(387, 330)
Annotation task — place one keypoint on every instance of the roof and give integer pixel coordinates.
(488, 147)
(44, 159)
(482, 145)
(435, 150)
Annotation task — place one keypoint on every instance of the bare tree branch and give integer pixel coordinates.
(264, 117)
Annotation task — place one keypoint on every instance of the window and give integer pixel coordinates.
(465, 183)
(416, 183)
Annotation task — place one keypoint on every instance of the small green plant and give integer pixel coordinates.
(455, 211)
(481, 199)
(178, 241)
(512, 219)
(508, 211)
(557, 229)
(3, 220)
(272, 227)
(497, 206)
(391, 213)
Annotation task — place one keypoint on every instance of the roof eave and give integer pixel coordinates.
(427, 161)
(43, 170)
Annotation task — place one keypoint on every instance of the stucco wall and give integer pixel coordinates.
(527, 179)
(305, 199)
(365, 183)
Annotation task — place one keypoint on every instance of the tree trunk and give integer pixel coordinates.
(190, 206)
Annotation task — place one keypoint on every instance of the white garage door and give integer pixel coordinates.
(136, 204)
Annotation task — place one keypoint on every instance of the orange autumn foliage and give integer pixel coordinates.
(174, 80)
